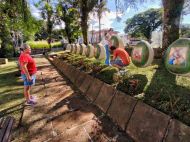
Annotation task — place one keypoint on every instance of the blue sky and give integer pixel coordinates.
(109, 19)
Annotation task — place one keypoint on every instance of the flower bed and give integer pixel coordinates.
(153, 85)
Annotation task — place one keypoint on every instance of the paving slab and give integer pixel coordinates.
(35, 89)
(178, 132)
(86, 83)
(56, 84)
(75, 135)
(74, 75)
(80, 78)
(121, 138)
(72, 119)
(122, 106)
(94, 89)
(147, 124)
(78, 102)
(105, 97)
(101, 130)
(39, 131)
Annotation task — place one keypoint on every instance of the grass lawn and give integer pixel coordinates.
(11, 91)
(155, 86)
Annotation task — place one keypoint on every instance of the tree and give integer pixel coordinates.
(100, 10)
(185, 30)
(86, 7)
(47, 13)
(70, 15)
(144, 23)
(171, 17)
(14, 15)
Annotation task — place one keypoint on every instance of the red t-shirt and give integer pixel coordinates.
(123, 55)
(31, 63)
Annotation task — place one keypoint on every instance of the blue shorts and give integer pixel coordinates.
(26, 83)
(118, 62)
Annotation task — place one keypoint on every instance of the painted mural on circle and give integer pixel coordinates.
(137, 53)
(178, 56)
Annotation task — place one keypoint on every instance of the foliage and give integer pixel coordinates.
(144, 23)
(185, 30)
(47, 13)
(100, 10)
(70, 16)
(43, 44)
(86, 7)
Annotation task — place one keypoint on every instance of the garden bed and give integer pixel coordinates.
(153, 85)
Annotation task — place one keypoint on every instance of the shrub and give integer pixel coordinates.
(43, 44)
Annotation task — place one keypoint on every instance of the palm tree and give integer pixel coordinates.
(100, 10)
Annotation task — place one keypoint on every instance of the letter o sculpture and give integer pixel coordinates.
(177, 59)
(68, 47)
(142, 54)
(99, 51)
(72, 48)
(77, 49)
(82, 49)
(89, 51)
(118, 42)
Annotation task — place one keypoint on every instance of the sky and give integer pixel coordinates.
(109, 20)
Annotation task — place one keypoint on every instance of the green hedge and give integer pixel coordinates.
(43, 44)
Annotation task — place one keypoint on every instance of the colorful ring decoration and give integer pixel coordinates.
(142, 54)
(77, 49)
(99, 51)
(118, 42)
(72, 48)
(82, 49)
(177, 59)
(89, 51)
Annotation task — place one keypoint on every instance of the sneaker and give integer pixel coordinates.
(28, 103)
(122, 70)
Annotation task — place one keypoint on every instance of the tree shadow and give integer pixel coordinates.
(164, 93)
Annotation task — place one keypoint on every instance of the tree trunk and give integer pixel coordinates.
(171, 22)
(99, 31)
(85, 30)
(50, 41)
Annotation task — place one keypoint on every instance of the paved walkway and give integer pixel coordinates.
(63, 113)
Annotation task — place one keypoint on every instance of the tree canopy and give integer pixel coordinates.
(142, 24)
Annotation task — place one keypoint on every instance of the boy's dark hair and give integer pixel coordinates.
(112, 48)
(110, 29)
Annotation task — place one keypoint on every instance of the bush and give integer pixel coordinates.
(43, 44)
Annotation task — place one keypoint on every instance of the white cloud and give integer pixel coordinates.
(106, 21)
(128, 9)
(35, 11)
(61, 26)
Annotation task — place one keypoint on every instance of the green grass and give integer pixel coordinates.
(43, 44)
(11, 92)
(158, 88)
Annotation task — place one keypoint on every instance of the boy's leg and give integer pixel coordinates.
(107, 62)
(27, 92)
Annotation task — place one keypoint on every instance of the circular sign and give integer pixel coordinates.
(71, 49)
(82, 49)
(89, 51)
(68, 47)
(99, 51)
(117, 41)
(177, 57)
(77, 49)
(142, 54)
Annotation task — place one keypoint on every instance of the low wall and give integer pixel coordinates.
(140, 121)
